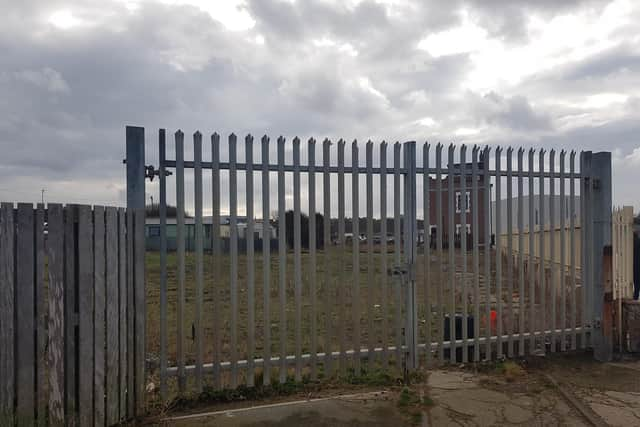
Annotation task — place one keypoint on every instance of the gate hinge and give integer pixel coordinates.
(596, 183)
(151, 172)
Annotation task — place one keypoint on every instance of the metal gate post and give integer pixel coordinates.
(602, 288)
(135, 167)
(410, 251)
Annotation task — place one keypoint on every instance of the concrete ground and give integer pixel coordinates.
(555, 391)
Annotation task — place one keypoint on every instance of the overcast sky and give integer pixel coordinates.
(73, 73)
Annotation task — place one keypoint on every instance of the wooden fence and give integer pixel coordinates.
(71, 314)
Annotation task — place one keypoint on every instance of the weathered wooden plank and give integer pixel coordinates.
(313, 282)
(233, 243)
(41, 316)
(355, 292)
(266, 265)
(85, 316)
(70, 313)
(55, 348)
(297, 260)
(25, 315)
(111, 301)
(99, 304)
(130, 315)
(122, 310)
(250, 239)
(282, 263)
(180, 249)
(199, 231)
(7, 311)
(140, 310)
(216, 249)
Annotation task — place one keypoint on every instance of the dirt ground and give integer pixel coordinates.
(552, 390)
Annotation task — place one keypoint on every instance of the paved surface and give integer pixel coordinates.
(599, 394)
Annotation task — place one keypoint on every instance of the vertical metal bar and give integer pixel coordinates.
(498, 252)
(532, 277)
(572, 248)
(384, 283)
(266, 264)
(216, 260)
(451, 248)
(552, 248)
(140, 311)
(250, 239)
(233, 247)
(135, 167)
(427, 251)
(475, 230)
(510, 315)
(464, 207)
(313, 283)
(341, 263)
(197, 172)
(130, 315)
(326, 221)
(297, 256)
(371, 333)
(585, 229)
(162, 153)
(25, 314)
(563, 254)
(522, 301)
(541, 230)
(397, 252)
(282, 262)
(355, 219)
(179, 139)
(411, 249)
(439, 252)
(601, 305)
(486, 178)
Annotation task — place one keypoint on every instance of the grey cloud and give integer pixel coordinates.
(515, 113)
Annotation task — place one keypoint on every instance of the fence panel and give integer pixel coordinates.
(483, 292)
(68, 264)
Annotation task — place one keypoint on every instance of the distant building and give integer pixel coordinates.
(152, 232)
(538, 219)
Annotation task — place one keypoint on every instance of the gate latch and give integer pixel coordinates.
(151, 172)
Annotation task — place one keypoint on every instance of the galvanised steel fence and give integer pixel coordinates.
(419, 280)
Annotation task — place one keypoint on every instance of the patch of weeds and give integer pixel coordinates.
(428, 402)
(412, 406)
(375, 378)
(512, 371)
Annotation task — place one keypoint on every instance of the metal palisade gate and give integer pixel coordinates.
(70, 292)
(463, 254)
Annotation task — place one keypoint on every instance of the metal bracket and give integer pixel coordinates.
(596, 183)
(151, 172)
